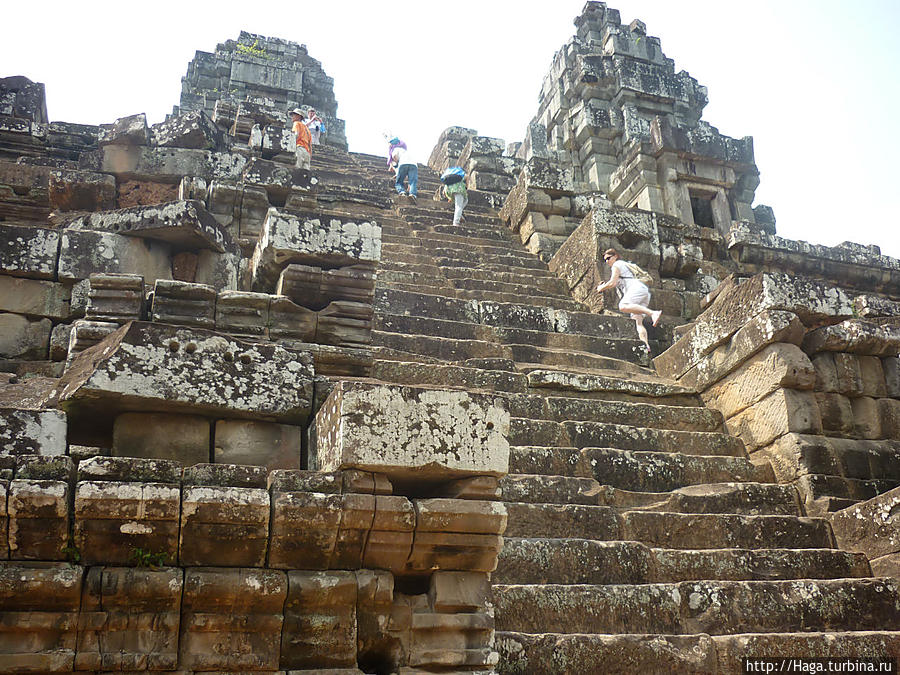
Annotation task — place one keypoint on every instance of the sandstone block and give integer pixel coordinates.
(102, 468)
(85, 334)
(889, 414)
(869, 527)
(866, 418)
(873, 378)
(38, 519)
(184, 438)
(226, 475)
(836, 413)
(340, 324)
(81, 191)
(28, 251)
(783, 411)
(738, 304)
(826, 372)
(60, 337)
(116, 521)
(320, 620)
(275, 446)
(311, 238)
(855, 336)
(776, 366)
(304, 529)
(288, 320)
(849, 374)
(315, 288)
(184, 304)
(129, 619)
(766, 328)
(32, 432)
(169, 369)
(84, 252)
(192, 129)
(374, 602)
(242, 313)
(131, 130)
(232, 619)
(389, 542)
(35, 298)
(182, 224)
(39, 604)
(116, 298)
(22, 338)
(554, 178)
(224, 526)
(891, 367)
(457, 534)
(184, 266)
(383, 428)
(451, 592)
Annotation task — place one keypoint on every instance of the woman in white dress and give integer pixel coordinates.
(635, 294)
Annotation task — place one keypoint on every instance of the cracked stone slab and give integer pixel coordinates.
(412, 433)
(159, 368)
(185, 224)
(28, 251)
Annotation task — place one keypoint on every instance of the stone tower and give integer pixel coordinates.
(270, 72)
(615, 107)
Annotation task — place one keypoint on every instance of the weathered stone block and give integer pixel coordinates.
(891, 368)
(738, 304)
(86, 334)
(224, 526)
(32, 432)
(113, 520)
(22, 338)
(131, 130)
(242, 313)
(117, 298)
(184, 304)
(866, 417)
(182, 224)
(451, 592)
(192, 129)
(554, 178)
(275, 446)
(103, 468)
(39, 604)
(855, 336)
(781, 412)
(28, 251)
(315, 288)
(836, 412)
(35, 298)
(869, 527)
(389, 543)
(129, 619)
(826, 372)
(84, 252)
(776, 366)
(849, 375)
(148, 366)
(81, 191)
(245, 637)
(184, 438)
(399, 431)
(311, 238)
(304, 529)
(288, 320)
(38, 519)
(320, 620)
(457, 534)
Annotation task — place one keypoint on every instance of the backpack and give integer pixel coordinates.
(322, 129)
(452, 175)
(639, 273)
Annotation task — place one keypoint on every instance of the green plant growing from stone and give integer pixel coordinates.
(147, 558)
(71, 553)
(253, 50)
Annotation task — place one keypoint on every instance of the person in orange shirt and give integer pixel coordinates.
(303, 151)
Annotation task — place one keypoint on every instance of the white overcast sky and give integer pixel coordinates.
(815, 82)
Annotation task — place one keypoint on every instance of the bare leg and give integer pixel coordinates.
(641, 331)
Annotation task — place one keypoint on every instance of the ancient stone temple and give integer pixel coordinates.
(258, 419)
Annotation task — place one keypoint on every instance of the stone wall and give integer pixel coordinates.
(807, 386)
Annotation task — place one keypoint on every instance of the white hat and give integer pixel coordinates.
(297, 111)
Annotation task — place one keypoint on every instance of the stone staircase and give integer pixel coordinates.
(640, 537)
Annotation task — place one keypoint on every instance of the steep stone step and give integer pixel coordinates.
(448, 376)
(549, 301)
(665, 530)
(712, 607)
(617, 353)
(533, 276)
(681, 418)
(702, 531)
(537, 286)
(585, 561)
(445, 349)
(568, 340)
(417, 325)
(450, 239)
(624, 437)
(389, 278)
(590, 654)
(742, 498)
(637, 471)
(426, 305)
(520, 264)
(430, 270)
(603, 385)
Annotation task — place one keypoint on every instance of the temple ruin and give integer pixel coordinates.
(258, 419)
